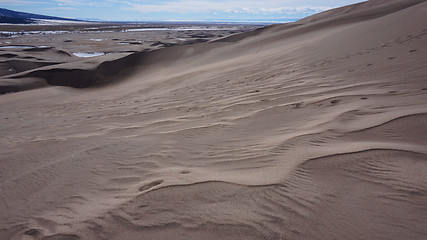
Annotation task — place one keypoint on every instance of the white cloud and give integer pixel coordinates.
(280, 10)
(18, 2)
(60, 8)
(71, 2)
(91, 3)
(235, 6)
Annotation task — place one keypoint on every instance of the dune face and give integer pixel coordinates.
(308, 130)
(76, 55)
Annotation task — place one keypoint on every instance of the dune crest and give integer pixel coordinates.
(309, 130)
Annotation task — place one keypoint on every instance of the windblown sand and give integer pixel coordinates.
(309, 130)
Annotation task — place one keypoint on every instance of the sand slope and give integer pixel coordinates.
(308, 130)
(33, 56)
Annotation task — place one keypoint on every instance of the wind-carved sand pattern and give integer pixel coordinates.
(281, 133)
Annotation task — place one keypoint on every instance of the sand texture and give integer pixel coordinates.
(309, 130)
(68, 55)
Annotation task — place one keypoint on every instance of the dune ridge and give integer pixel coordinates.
(308, 130)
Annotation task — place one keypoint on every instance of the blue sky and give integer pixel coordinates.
(190, 10)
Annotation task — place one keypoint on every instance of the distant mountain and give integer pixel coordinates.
(14, 17)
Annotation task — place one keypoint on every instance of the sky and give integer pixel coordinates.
(174, 10)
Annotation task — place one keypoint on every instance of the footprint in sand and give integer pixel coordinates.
(150, 185)
(297, 105)
(334, 102)
(32, 232)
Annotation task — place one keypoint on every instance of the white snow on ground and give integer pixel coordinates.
(177, 29)
(22, 47)
(87, 55)
(56, 22)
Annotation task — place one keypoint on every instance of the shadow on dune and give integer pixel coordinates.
(101, 72)
(71, 75)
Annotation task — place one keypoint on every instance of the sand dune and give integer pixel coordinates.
(308, 130)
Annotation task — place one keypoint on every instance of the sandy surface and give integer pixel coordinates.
(30, 47)
(308, 130)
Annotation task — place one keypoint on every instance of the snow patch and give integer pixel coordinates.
(88, 55)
